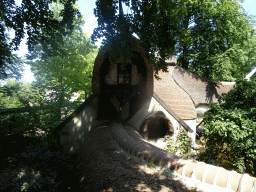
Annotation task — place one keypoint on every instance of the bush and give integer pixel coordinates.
(34, 110)
(230, 129)
(42, 169)
(29, 123)
(183, 145)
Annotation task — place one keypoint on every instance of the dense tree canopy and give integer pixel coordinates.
(34, 18)
(66, 68)
(71, 65)
(209, 37)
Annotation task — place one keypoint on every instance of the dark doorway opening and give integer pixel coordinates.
(156, 126)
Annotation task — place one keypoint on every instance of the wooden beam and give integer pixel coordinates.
(169, 110)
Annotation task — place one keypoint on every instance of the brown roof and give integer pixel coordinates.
(174, 96)
(182, 90)
(200, 89)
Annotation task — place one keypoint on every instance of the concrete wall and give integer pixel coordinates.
(74, 132)
(151, 106)
(192, 125)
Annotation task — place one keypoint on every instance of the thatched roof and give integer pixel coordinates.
(200, 89)
(174, 96)
(183, 90)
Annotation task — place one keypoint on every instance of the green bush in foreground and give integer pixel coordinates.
(230, 129)
(183, 145)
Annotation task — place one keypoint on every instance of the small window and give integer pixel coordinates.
(124, 73)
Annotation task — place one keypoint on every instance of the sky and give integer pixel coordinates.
(86, 8)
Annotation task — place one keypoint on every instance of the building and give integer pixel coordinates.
(128, 105)
(152, 107)
(189, 94)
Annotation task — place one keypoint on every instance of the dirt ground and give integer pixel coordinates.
(101, 165)
(104, 166)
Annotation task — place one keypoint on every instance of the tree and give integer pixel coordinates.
(12, 94)
(67, 68)
(217, 33)
(36, 20)
(204, 34)
(72, 71)
(230, 129)
(22, 96)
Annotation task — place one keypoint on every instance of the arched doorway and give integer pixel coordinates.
(156, 126)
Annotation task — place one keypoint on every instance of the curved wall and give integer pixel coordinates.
(74, 130)
(144, 89)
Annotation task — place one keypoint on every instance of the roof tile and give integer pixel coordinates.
(174, 96)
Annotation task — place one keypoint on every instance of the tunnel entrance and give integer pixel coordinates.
(156, 126)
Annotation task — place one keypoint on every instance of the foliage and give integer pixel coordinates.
(12, 67)
(183, 145)
(14, 94)
(41, 113)
(59, 71)
(31, 181)
(70, 68)
(35, 19)
(214, 39)
(230, 129)
(217, 34)
(41, 170)
(38, 169)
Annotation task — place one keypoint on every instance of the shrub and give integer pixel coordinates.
(183, 145)
(230, 129)
(42, 169)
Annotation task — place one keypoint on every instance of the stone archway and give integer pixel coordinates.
(156, 126)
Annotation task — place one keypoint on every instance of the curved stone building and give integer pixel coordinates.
(130, 109)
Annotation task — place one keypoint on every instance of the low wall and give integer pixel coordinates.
(73, 131)
(211, 176)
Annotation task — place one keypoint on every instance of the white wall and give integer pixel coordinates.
(192, 125)
(75, 132)
(201, 109)
(151, 106)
